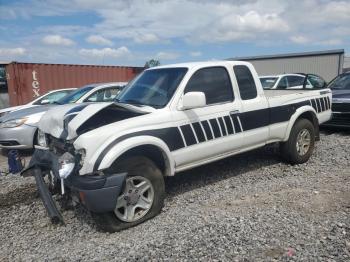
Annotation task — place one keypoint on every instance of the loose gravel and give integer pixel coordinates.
(245, 208)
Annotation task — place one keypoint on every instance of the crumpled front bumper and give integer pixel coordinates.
(98, 193)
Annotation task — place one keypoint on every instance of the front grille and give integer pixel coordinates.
(341, 107)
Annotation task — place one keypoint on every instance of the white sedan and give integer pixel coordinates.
(48, 98)
(284, 81)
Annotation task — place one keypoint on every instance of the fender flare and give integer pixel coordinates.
(120, 148)
(296, 115)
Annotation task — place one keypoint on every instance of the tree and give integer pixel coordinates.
(152, 63)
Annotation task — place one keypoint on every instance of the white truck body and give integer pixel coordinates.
(191, 137)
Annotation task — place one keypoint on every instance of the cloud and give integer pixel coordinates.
(57, 40)
(10, 52)
(146, 38)
(105, 52)
(195, 54)
(98, 40)
(167, 55)
(299, 39)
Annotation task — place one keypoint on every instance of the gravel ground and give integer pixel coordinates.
(245, 208)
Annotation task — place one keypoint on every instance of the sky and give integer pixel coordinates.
(130, 32)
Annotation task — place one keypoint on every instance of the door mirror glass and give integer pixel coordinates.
(192, 100)
(314, 82)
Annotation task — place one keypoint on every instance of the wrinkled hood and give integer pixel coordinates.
(69, 121)
(25, 112)
(340, 96)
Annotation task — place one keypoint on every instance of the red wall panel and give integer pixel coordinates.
(28, 80)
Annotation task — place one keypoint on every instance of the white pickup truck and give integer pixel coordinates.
(113, 157)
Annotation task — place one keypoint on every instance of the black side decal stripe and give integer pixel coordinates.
(171, 136)
(207, 130)
(223, 129)
(199, 132)
(215, 127)
(313, 104)
(188, 134)
(322, 105)
(236, 124)
(228, 125)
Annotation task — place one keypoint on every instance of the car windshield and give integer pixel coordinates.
(268, 82)
(341, 82)
(153, 87)
(74, 96)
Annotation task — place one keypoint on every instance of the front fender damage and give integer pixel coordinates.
(97, 192)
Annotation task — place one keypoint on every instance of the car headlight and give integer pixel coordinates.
(13, 123)
(82, 154)
(66, 165)
(41, 138)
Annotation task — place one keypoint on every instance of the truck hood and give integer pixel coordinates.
(69, 121)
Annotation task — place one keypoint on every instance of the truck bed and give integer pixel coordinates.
(283, 97)
(279, 93)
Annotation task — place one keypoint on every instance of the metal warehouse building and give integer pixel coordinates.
(327, 64)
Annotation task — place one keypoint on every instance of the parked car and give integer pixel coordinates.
(340, 87)
(18, 129)
(169, 119)
(48, 98)
(286, 81)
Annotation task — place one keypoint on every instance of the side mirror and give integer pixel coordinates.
(192, 100)
(45, 102)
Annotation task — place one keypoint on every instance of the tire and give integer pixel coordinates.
(136, 167)
(289, 149)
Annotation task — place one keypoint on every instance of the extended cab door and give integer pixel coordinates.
(254, 114)
(211, 130)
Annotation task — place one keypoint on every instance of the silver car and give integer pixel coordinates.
(18, 128)
(48, 98)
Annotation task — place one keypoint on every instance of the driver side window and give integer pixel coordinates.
(104, 95)
(283, 84)
(214, 82)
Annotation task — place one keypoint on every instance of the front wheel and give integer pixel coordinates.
(141, 199)
(300, 145)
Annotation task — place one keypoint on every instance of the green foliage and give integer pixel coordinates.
(152, 63)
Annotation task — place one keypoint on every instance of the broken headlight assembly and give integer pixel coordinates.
(42, 139)
(82, 154)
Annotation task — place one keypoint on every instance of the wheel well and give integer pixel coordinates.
(152, 152)
(311, 116)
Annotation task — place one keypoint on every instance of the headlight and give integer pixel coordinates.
(41, 138)
(66, 165)
(82, 154)
(13, 123)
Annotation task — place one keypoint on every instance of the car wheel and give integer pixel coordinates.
(141, 199)
(300, 145)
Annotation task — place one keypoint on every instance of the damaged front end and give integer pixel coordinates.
(98, 192)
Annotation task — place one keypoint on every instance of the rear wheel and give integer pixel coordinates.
(301, 142)
(141, 199)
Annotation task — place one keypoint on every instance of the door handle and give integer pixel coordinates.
(234, 112)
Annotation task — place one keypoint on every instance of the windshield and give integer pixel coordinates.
(268, 82)
(74, 96)
(341, 82)
(153, 87)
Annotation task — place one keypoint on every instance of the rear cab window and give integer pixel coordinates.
(214, 82)
(245, 81)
